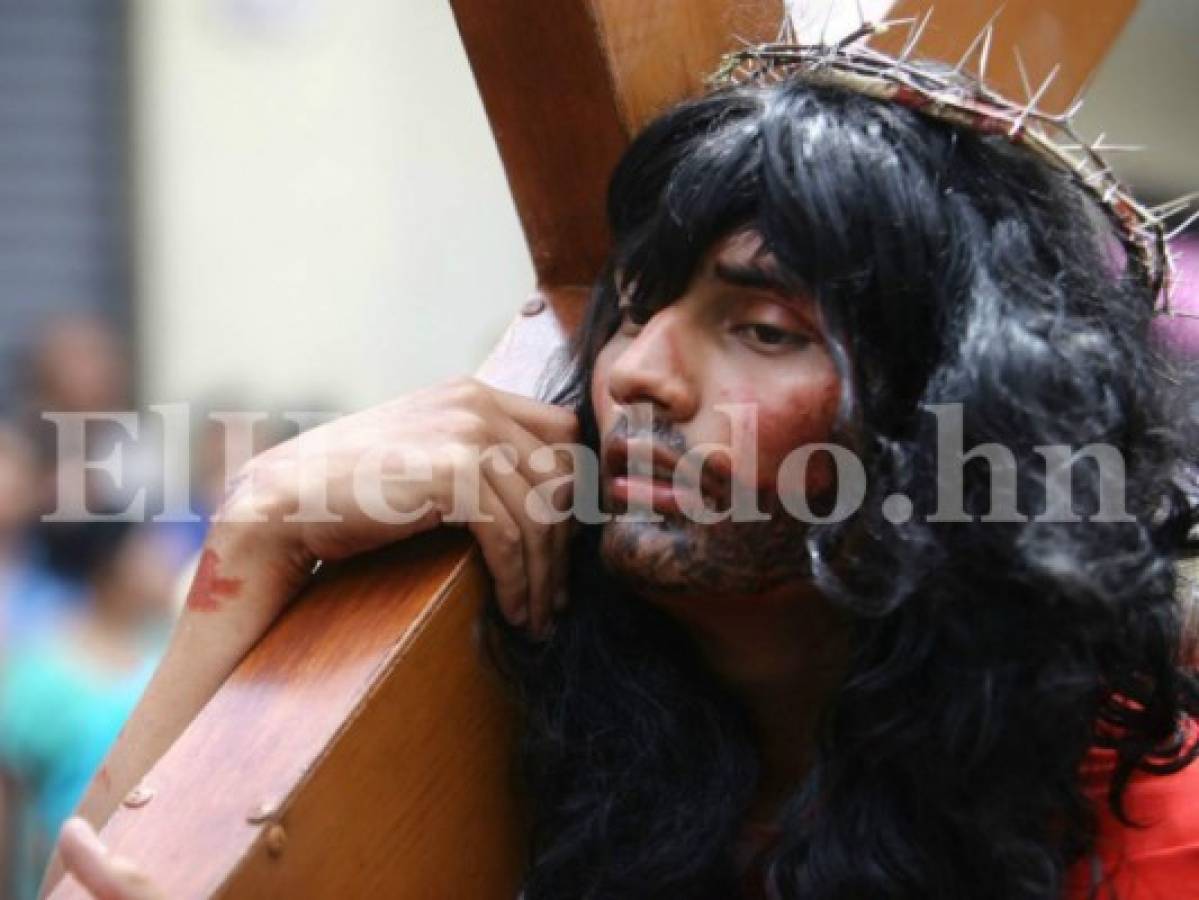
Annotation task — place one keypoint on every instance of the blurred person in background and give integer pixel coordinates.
(65, 695)
(31, 597)
(79, 365)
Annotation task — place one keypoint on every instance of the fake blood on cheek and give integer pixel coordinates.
(789, 422)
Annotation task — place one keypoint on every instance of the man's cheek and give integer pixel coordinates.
(782, 433)
(821, 474)
(777, 441)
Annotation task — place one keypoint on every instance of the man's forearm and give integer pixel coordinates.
(217, 628)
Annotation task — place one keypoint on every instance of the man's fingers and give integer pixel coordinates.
(501, 542)
(534, 497)
(560, 548)
(553, 424)
(87, 859)
(104, 876)
(513, 490)
(527, 445)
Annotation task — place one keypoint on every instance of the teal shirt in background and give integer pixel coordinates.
(58, 717)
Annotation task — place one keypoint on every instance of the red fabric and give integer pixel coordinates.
(1157, 862)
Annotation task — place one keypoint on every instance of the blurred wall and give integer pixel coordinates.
(321, 217)
(320, 212)
(62, 173)
(1144, 94)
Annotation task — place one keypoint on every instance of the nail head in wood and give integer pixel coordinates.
(263, 812)
(139, 797)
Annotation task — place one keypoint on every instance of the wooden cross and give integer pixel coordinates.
(363, 748)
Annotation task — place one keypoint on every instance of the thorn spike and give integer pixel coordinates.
(914, 35)
(887, 24)
(1184, 200)
(984, 34)
(1190, 220)
(969, 52)
(828, 17)
(1031, 108)
(1023, 72)
(986, 52)
(1173, 208)
(1046, 85)
(786, 33)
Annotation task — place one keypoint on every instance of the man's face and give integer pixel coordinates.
(735, 340)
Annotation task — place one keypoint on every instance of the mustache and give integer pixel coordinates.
(654, 431)
(669, 447)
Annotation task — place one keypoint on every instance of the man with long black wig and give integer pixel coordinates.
(891, 704)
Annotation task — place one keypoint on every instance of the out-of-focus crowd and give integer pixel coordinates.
(85, 606)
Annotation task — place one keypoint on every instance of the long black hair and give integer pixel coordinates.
(986, 658)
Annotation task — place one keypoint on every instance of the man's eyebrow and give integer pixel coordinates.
(751, 277)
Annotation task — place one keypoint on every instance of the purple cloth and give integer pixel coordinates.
(1181, 333)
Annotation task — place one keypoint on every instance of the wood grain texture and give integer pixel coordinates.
(660, 51)
(567, 83)
(546, 86)
(1075, 34)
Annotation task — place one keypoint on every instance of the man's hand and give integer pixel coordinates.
(104, 876)
(462, 453)
(344, 488)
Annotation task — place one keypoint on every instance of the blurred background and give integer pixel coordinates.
(265, 205)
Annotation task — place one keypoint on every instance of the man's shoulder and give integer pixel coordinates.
(1158, 855)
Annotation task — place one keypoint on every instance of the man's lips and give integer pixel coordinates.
(643, 459)
(647, 475)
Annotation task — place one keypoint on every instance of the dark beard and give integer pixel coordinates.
(678, 556)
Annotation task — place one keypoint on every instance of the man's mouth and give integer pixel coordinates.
(644, 475)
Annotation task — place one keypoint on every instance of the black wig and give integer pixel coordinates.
(986, 658)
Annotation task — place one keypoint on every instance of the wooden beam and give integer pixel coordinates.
(363, 747)
(566, 84)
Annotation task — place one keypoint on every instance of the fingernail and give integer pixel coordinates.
(560, 600)
(520, 616)
(80, 830)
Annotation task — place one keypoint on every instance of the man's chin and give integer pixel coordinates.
(672, 555)
(650, 556)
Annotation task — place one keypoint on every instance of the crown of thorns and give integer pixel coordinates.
(961, 97)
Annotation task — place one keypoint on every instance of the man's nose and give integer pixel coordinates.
(657, 367)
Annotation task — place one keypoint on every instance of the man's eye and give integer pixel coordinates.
(773, 337)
